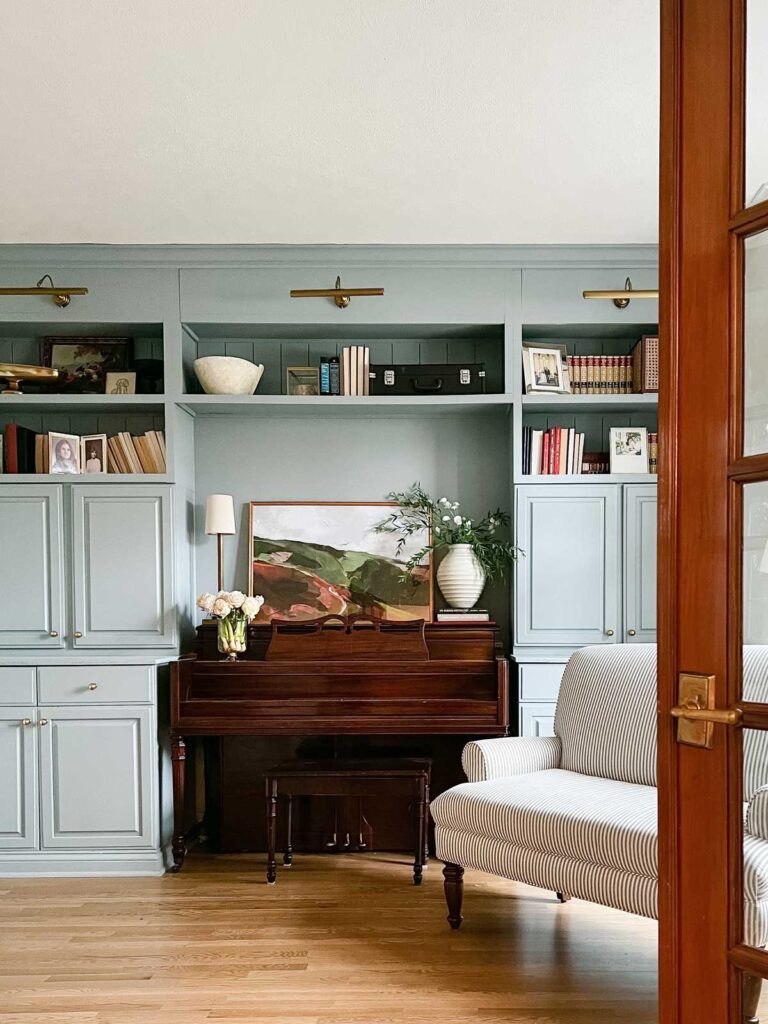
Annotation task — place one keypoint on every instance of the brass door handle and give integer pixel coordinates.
(631, 632)
(721, 716)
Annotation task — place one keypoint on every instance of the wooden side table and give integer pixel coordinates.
(399, 777)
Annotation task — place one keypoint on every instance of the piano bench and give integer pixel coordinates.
(398, 776)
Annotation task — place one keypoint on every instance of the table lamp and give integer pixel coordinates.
(220, 522)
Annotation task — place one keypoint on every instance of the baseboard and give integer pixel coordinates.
(50, 864)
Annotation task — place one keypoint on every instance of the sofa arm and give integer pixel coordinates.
(515, 755)
(757, 814)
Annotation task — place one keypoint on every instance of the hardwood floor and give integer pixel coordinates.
(338, 940)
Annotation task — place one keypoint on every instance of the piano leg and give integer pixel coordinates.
(421, 831)
(288, 853)
(271, 795)
(179, 765)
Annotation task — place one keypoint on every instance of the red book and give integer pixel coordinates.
(10, 449)
(545, 445)
(556, 451)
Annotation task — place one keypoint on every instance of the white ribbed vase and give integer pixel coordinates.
(460, 576)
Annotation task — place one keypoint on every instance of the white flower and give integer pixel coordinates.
(221, 608)
(445, 503)
(437, 529)
(251, 606)
(446, 519)
(455, 504)
(468, 522)
(236, 598)
(457, 520)
(205, 602)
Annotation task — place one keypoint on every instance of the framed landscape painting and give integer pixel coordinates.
(310, 559)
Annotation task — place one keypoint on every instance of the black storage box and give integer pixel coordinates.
(428, 379)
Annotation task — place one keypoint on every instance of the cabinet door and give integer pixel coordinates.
(123, 565)
(640, 531)
(32, 609)
(567, 585)
(97, 772)
(537, 719)
(18, 772)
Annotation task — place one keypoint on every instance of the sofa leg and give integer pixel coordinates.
(563, 896)
(454, 891)
(751, 986)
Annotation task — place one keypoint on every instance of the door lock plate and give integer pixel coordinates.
(695, 691)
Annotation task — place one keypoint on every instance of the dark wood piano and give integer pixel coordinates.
(339, 677)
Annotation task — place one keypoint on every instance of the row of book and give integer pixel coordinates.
(600, 375)
(348, 374)
(559, 451)
(24, 451)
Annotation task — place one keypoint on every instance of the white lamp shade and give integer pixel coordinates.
(219, 514)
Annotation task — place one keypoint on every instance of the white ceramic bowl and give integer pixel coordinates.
(228, 375)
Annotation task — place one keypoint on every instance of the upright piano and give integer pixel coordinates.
(339, 677)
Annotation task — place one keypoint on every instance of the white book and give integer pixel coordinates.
(346, 362)
(571, 449)
(537, 440)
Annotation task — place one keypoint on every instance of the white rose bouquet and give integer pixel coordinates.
(234, 611)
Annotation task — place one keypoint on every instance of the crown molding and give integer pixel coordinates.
(493, 257)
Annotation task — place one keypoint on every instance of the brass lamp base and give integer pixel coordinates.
(15, 373)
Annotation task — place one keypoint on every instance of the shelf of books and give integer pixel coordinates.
(590, 408)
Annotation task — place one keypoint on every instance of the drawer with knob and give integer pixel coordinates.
(17, 685)
(96, 684)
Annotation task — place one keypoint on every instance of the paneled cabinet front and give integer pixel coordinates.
(122, 563)
(18, 778)
(568, 583)
(31, 527)
(97, 778)
(640, 532)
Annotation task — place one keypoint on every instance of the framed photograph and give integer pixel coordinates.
(545, 370)
(120, 382)
(629, 450)
(93, 453)
(83, 363)
(556, 346)
(302, 380)
(310, 559)
(64, 452)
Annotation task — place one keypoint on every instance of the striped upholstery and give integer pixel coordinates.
(577, 812)
(518, 755)
(606, 713)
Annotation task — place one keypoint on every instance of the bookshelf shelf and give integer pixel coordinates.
(370, 405)
(81, 403)
(590, 403)
(588, 478)
(85, 478)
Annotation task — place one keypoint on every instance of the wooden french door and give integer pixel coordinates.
(713, 516)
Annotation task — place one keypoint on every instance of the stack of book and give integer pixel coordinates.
(330, 375)
(653, 453)
(463, 615)
(559, 450)
(355, 370)
(144, 453)
(600, 375)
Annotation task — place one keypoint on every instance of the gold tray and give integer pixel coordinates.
(14, 373)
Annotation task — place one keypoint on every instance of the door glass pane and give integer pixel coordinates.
(757, 103)
(755, 690)
(756, 343)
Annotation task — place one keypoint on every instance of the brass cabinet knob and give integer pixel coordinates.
(43, 721)
(53, 633)
(77, 636)
(609, 632)
(26, 721)
(631, 632)
(93, 686)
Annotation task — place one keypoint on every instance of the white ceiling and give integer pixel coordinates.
(301, 121)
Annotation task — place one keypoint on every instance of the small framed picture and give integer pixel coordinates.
(302, 380)
(64, 452)
(629, 450)
(121, 383)
(544, 369)
(554, 346)
(84, 362)
(93, 453)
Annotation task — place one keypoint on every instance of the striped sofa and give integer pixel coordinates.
(576, 813)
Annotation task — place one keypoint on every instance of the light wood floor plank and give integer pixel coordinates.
(339, 940)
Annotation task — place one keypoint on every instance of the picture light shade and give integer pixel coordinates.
(220, 514)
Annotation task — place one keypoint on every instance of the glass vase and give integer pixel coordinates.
(231, 636)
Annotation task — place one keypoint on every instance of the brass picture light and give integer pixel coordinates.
(621, 297)
(60, 295)
(341, 296)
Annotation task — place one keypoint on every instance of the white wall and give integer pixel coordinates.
(308, 121)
